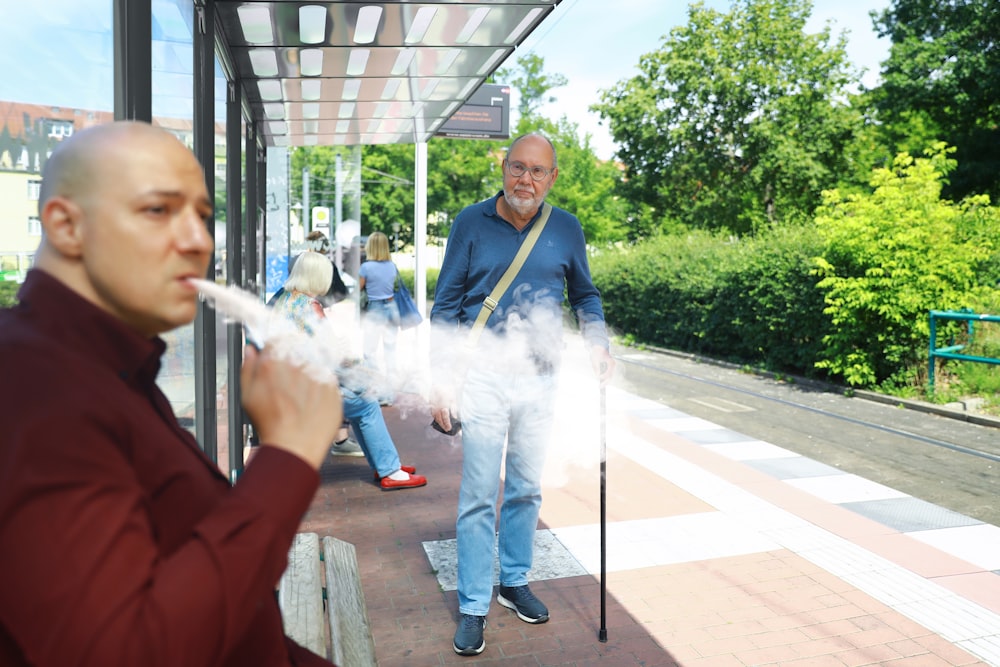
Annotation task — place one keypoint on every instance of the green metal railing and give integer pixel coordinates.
(954, 351)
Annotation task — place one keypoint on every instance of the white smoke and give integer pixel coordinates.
(534, 334)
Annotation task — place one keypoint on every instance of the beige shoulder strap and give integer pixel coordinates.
(491, 302)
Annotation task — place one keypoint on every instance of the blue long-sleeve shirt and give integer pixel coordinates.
(480, 248)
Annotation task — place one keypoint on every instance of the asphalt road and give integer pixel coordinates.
(942, 460)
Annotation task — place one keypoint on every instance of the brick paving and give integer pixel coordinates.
(710, 564)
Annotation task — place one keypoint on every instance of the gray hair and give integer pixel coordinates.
(312, 274)
(555, 161)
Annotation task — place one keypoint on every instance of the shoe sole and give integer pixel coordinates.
(334, 452)
(407, 469)
(513, 607)
(397, 488)
(470, 651)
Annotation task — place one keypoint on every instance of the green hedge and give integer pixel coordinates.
(432, 276)
(8, 293)
(750, 301)
(846, 295)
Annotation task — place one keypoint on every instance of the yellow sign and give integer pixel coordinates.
(320, 217)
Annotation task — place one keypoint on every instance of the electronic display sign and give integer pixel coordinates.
(486, 115)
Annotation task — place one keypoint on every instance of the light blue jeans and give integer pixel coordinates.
(381, 326)
(499, 407)
(365, 416)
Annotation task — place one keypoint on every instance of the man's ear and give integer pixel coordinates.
(62, 221)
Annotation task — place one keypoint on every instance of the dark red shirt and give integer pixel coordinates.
(120, 542)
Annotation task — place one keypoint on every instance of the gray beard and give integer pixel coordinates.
(521, 209)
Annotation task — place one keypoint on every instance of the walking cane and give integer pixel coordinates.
(602, 634)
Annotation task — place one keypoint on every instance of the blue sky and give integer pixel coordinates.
(596, 43)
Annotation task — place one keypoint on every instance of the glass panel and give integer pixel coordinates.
(218, 170)
(57, 63)
(173, 108)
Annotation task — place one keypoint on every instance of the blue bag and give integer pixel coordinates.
(409, 314)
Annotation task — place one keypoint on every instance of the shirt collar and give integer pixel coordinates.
(81, 326)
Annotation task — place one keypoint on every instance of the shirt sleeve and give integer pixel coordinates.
(449, 296)
(583, 296)
(90, 574)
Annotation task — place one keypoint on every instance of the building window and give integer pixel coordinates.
(34, 226)
(59, 129)
(34, 188)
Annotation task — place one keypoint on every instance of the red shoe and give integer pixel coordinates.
(389, 484)
(407, 469)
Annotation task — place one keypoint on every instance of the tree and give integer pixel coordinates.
(739, 120)
(459, 172)
(387, 189)
(944, 68)
(586, 186)
(890, 257)
(531, 81)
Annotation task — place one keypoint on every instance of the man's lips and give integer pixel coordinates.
(188, 279)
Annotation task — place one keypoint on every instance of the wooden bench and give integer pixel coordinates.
(322, 603)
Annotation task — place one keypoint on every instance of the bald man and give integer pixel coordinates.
(120, 542)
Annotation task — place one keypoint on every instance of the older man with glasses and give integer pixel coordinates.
(504, 384)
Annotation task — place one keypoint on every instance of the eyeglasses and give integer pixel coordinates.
(517, 169)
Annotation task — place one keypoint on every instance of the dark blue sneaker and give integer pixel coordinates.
(469, 635)
(520, 598)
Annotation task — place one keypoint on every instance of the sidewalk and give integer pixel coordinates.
(721, 551)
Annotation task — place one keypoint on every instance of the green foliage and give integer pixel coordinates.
(771, 310)
(532, 82)
(888, 259)
(944, 65)
(738, 121)
(751, 300)
(660, 290)
(408, 280)
(8, 293)
(585, 186)
(387, 189)
(460, 172)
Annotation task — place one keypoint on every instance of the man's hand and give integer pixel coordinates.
(442, 401)
(603, 364)
(289, 408)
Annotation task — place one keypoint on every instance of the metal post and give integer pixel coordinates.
(206, 427)
(133, 58)
(602, 633)
(306, 204)
(234, 274)
(338, 213)
(930, 359)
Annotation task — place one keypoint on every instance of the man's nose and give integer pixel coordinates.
(194, 234)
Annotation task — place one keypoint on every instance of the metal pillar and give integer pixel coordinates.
(206, 413)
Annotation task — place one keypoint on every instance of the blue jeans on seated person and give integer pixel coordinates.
(499, 407)
(369, 427)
